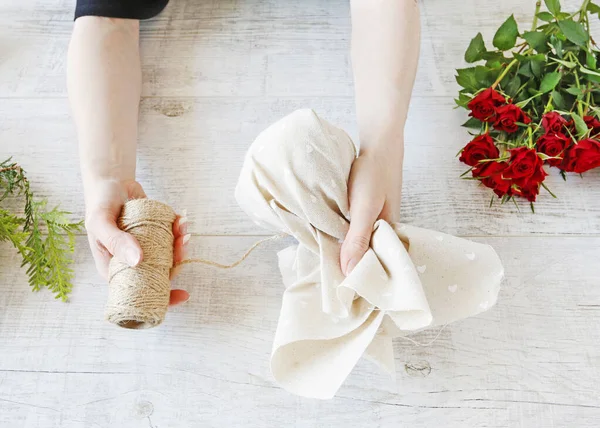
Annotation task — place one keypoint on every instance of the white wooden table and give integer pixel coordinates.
(216, 72)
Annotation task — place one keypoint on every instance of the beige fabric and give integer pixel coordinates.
(294, 180)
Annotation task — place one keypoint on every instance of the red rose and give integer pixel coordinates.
(507, 116)
(483, 106)
(582, 157)
(525, 167)
(482, 147)
(553, 145)
(553, 122)
(529, 192)
(592, 123)
(490, 174)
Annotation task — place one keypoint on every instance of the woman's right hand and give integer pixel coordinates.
(104, 201)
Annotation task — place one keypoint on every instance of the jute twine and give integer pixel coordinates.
(138, 296)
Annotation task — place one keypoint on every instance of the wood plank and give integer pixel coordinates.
(216, 73)
(532, 360)
(241, 48)
(205, 139)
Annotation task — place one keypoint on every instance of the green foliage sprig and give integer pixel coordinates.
(44, 238)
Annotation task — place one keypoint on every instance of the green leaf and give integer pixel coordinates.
(513, 86)
(593, 9)
(549, 82)
(537, 57)
(525, 70)
(537, 40)
(536, 68)
(558, 100)
(466, 78)
(493, 55)
(506, 36)
(553, 6)
(593, 78)
(568, 64)
(493, 64)
(545, 16)
(591, 75)
(574, 90)
(485, 76)
(495, 59)
(523, 103)
(476, 49)
(579, 124)
(574, 31)
(588, 71)
(472, 123)
(590, 60)
(462, 100)
(557, 45)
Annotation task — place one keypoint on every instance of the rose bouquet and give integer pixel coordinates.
(532, 101)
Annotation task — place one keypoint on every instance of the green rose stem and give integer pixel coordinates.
(538, 5)
(587, 99)
(579, 108)
(583, 11)
(539, 125)
(504, 73)
(530, 131)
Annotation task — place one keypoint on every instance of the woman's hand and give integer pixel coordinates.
(385, 49)
(374, 191)
(104, 201)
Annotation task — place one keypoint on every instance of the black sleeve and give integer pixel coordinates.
(129, 9)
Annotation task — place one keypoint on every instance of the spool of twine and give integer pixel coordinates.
(138, 297)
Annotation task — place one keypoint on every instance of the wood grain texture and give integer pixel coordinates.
(243, 48)
(205, 140)
(216, 73)
(532, 360)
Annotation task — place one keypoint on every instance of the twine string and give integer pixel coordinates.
(138, 296)
(237, 262)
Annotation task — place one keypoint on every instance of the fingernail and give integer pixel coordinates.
(183, 224)
(186, 238)
(350, 266)
(132, 255)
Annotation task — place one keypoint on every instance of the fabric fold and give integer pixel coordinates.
(294, 180)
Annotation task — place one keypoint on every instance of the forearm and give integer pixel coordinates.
(104, 83)
(385, 50)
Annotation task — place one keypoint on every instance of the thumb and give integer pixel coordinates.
(120, 244)
(357, 239)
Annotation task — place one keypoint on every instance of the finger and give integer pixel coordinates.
(120, 244)
(178, 296)
(134, 190)
(357, 242)
(390, 212)
(101, 256)
(180, 225)
(179, 254)
(366, 204)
